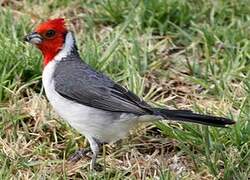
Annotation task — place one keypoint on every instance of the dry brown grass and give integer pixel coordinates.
(144, 154)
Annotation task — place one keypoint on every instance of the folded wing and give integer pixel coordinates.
(76, 81)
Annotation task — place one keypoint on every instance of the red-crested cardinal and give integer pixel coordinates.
(93, 104)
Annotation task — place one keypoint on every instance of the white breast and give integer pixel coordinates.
(103, 125)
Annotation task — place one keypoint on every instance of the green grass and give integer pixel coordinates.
(174, 53)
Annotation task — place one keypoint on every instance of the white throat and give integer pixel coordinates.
(67, 47)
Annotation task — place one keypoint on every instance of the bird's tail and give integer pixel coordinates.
(189, 116)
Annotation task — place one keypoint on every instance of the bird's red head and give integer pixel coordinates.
(49, 37)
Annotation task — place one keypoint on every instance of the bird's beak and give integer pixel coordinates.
(33, 38)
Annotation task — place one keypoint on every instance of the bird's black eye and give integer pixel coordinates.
(50, 34)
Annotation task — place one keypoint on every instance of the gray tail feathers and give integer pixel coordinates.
(189, 116)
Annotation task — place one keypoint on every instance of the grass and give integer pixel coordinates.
(178, 54)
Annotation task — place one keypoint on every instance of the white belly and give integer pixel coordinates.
(91, 122)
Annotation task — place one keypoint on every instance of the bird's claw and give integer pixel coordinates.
(97, 167)
(78, 155)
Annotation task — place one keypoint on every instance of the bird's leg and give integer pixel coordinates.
(79, 154)
(95, 147)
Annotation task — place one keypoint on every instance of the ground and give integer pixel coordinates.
(174, 53)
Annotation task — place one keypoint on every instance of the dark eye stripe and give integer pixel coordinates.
(50, 33)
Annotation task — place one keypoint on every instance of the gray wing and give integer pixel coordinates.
(76, 81)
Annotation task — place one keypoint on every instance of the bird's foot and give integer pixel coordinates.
(79, 154)
(96, 167)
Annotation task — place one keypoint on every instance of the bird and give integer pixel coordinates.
(91, 102)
